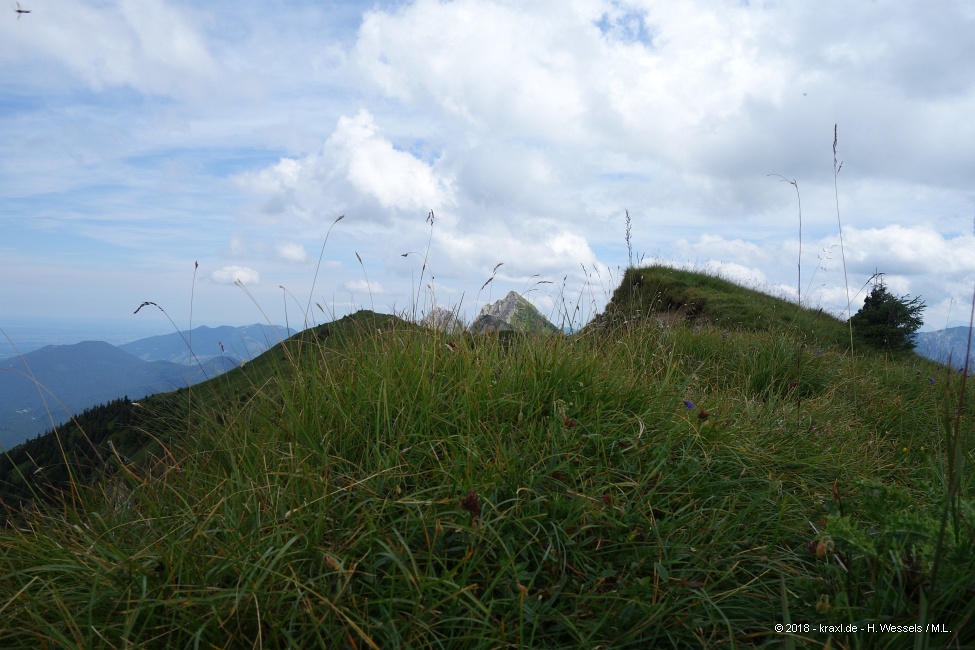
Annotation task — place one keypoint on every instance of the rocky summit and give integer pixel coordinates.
(513, 313)
(442, 319)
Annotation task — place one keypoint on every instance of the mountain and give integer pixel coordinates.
(703, 460)
(81, 375)
(239, 343)
(76, 377)
(135, 429)
(942, 344)
(512, 313)
(442, 319)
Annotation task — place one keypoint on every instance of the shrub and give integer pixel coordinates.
(887, 321)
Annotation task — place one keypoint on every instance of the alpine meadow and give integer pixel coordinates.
(487, 324)
(701, 466)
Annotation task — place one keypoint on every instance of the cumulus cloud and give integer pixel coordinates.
(291, 251)
(908, 250)
(148, 45)
(231, 274)
(527, 127)
(358, 167)
(705, 87)
(915, 260)
(575, 71)
(536, 247)
(570, 246)
(375, 168)
(362, 286)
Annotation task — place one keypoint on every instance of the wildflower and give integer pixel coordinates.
(823, 605)
(820, 547)
(931, 380)
(471, 504)
(689, 404)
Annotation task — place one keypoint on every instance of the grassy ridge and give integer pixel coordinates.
(373, 484)
(667, 293)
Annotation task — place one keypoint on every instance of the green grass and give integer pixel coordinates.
(368, 485)
(704, 298)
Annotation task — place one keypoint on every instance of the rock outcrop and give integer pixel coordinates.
(487, 323)
(513, 313)
(442, 319)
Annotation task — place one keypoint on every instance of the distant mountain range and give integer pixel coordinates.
(237, 343)
(76, 377)
(942, 344)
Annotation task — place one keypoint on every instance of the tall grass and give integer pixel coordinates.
(640, 488)
(648, 482)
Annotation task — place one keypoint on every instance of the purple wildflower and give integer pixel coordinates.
(689, 404)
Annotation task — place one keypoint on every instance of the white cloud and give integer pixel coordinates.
(362, 286)
(748, 276)
(148, 45)
(915, 260)
(225, 131)
(292, 252)
(375, 168)
(547, 70)
(570, 246)
(233, 273)
(358, 168)
(909, 250)
(716, 247)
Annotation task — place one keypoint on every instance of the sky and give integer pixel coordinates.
(198, 155)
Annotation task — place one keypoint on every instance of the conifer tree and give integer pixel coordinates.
(887, 321)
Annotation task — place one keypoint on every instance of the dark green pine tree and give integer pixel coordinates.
(887, 321)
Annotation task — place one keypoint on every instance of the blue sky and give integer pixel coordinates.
(138, 137)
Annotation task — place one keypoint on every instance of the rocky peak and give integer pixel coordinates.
(442, 319)
(513, 312)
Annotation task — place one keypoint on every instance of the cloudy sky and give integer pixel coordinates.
(140, 137)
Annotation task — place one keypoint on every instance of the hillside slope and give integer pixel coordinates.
(663, 295)
(71, 378)
(373, 484)
(84, 439)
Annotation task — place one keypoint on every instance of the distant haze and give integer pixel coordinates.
(74, 376)
(32, 336)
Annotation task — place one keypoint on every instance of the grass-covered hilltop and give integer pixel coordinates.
(703, 466)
